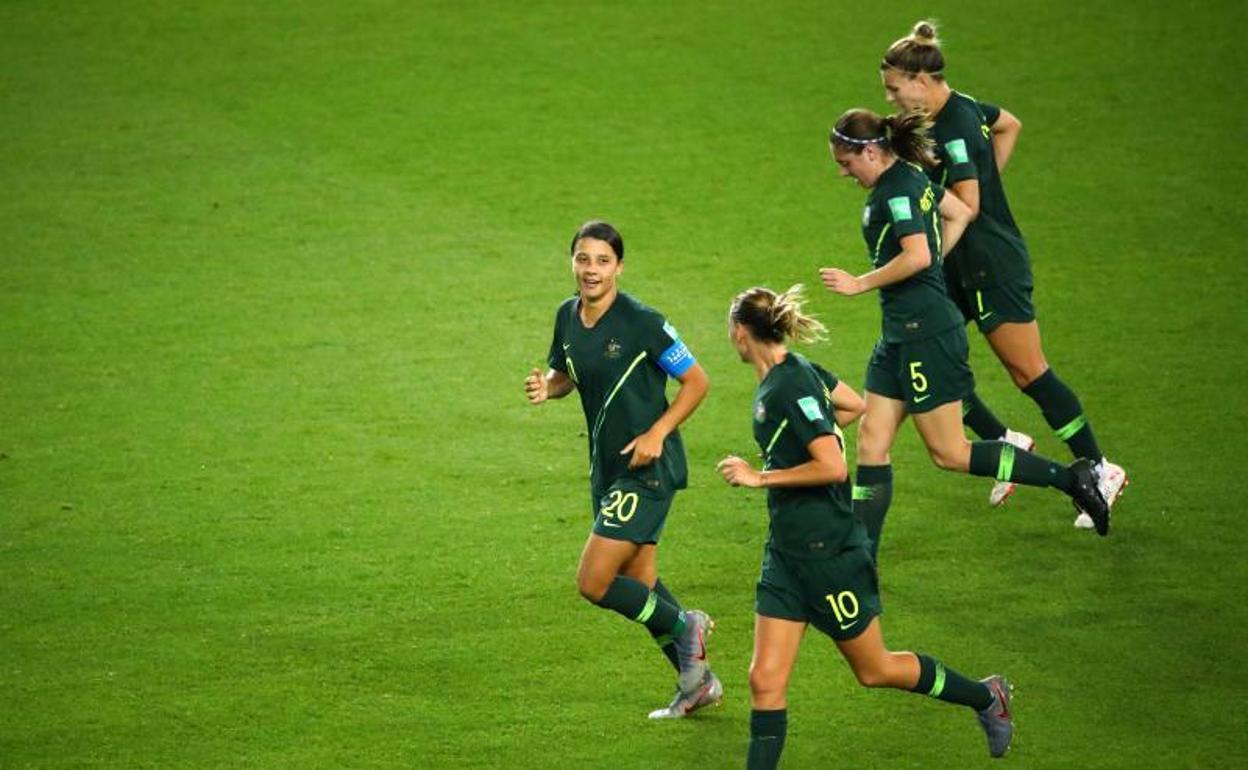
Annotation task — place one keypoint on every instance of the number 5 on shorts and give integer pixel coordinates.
(916, 377)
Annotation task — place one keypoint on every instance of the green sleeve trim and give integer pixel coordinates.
(602, 413)
(1005, 466)
(879, 242)
(652, 601)
(1071, 428)
(938, 686)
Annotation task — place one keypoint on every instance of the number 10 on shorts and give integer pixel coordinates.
(845, 607)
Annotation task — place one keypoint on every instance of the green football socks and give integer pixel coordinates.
(1005, 462)
(873, 493)
(979, 418)
(665, 641)
(634, 601)
(1064, 414)
(767, 729)
(936, 681)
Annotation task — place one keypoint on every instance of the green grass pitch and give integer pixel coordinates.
(271, 275)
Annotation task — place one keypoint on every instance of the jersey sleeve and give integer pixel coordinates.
(904, 213)
(806, 408)
(956, 152)
(666, 349)
(991, 113)
(556, 358)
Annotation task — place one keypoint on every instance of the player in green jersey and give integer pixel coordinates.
(817, 566)
(919, 366)
(989, 273)
(618, 355)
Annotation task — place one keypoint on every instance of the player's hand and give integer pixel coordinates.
(838, 281)
(646, 448)
(738, 472)
(535, 387)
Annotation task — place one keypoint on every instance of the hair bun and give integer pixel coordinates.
(924, 32)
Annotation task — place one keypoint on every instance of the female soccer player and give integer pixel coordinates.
(618, 353)
(817, 566)
(990, 272)
(919, 366)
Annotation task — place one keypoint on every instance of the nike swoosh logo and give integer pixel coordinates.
(610, 524)
(846, 625)
(921, 399)
(1004, 713)
(984, 316)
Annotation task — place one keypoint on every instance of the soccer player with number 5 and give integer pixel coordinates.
(618, 354)
(919, 366)
(817, 565)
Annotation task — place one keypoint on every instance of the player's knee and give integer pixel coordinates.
(950, 458)
(872, 676)
(765, 683)
(872, 446)
(592, 588)
(1023, 373)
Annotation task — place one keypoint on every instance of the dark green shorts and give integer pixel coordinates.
(837, 595)
(924, 373)
(631, 510)
(995, 305)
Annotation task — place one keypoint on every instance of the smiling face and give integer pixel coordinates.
(909, 92)
(595, 265)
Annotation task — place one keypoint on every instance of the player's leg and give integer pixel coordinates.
(1019, 348)
(644, 567)
(941, 431)
(873, 479)
(939, 377)
(776, 643)
(874, 665)
(877, 429)
(975, 413)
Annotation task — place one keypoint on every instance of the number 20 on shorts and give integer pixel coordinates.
(621, 506)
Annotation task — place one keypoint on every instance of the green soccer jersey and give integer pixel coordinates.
(792, 407)
(905, 203)
(620, 367)
(992, 250)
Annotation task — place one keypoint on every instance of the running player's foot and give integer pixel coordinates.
(1003, 489)
(709, 693)
(996, 719)
(691, 649)
(1112, 480)
(1086, 495)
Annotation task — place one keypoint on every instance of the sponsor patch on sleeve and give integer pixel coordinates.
(810, 408)
(900, 208)
(677, 359)
(957, 151)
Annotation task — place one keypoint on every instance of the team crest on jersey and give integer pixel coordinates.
(613, 348)
(760, 411)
